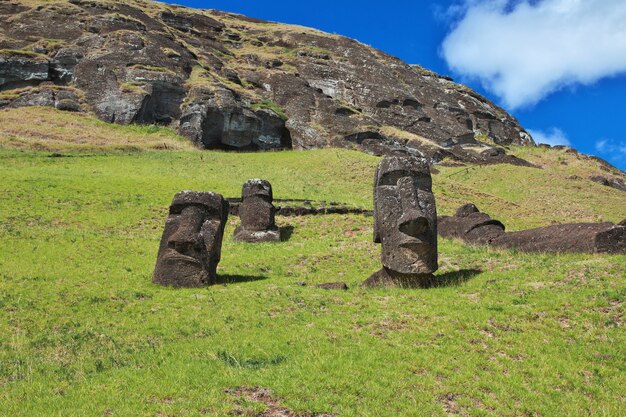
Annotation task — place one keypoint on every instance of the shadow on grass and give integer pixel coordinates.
(286, 232)
(454, 278)
(237, 279)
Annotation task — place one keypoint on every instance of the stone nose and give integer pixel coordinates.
(413, 224)
(186, 236)
(181, 243)
(412, 221)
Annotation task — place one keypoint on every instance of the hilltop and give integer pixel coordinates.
(228, 81)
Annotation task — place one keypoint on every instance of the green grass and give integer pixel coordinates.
(83, 331)
(270, 105)
(521, 197)
(22, 53)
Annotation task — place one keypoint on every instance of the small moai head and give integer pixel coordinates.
(405, 216)
(470, 225)
(191, 244)
(257, 188)
(257, 212)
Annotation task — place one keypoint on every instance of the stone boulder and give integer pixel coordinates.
(575, 238)
(617, 183)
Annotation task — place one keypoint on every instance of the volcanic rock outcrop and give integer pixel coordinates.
(405, 222)
(191, 245)
(257, 213)
(472, 226)
(232, 82)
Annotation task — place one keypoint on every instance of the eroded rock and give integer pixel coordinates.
(17, 71)
(616, 183)
(218, 120)
(191, 245)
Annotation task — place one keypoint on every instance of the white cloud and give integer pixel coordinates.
(615, 150)
(552, 136)
(523, 50)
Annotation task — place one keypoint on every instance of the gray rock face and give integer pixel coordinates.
(218, 121)
(405, 222)
(227, 81)
(257, 213)
(21, 71)
(45, 95)
(616, 183)
(191, 245)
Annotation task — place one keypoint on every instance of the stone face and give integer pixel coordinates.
(191, 245)
(472, 226)
(405, 222)
(257, 213)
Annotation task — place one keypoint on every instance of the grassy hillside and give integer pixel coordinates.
(83, 331)
(43, 128)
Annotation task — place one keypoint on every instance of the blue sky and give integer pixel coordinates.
(559, 66)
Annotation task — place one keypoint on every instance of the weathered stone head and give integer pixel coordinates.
(471, 225)
(405, 222)
(257, 213)
(192, 240)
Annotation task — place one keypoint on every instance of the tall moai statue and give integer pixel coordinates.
(257, 213)
(192, 240)
(405, 223)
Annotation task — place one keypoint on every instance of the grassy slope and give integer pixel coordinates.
(83, 331)
(43, 128)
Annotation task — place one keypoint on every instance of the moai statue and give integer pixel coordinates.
(475, 227)
(257, 213)
(405, 222)
(470, 225)
(192, 240)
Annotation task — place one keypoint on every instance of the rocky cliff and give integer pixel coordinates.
(228, 81)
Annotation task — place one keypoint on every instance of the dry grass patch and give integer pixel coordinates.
(43, 128)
